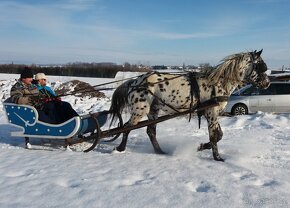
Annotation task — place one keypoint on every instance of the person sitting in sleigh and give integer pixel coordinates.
(26, 93)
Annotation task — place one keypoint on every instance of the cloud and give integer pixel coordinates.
(71, 30)
(57, 19)
(177, 36)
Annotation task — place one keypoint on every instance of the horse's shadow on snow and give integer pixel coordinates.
(138, 144)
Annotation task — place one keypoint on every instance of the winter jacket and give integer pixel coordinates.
(21, 92)
(46, 90)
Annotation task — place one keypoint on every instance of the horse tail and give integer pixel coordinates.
(119, 100)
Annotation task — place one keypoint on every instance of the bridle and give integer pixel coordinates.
(259, 68)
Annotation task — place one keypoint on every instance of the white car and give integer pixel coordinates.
(249, 99)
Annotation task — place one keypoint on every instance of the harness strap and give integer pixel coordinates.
(162, 101)
(194, 89)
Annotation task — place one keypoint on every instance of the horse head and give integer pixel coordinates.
(256, 73)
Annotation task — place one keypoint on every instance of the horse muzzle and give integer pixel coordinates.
(264, 84)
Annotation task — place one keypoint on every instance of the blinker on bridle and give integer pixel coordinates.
(259, 68)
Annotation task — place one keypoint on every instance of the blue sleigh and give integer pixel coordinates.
(25, 117)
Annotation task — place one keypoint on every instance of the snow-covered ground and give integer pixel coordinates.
(256, 171)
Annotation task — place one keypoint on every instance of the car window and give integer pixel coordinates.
(283, 89)
(271, 90)
(248, 91)
(276, 89)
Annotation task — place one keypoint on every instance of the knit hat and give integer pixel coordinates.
(40, 76)
(26, 73)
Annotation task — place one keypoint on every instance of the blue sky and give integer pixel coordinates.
(143, 31)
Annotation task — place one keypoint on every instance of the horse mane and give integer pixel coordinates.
(227, 69)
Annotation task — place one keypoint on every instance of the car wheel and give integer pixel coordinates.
(239, 109)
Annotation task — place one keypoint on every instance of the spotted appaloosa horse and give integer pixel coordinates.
(152, 92)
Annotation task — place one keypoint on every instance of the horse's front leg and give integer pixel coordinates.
(215, 135)
(204, 146)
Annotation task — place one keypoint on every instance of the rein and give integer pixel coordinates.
(98, 85)
(107, 83)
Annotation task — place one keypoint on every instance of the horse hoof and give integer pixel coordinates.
(219, 159)
(200, 147)
(204, 146)
(160, 152)
(118, 149)
(115, 151)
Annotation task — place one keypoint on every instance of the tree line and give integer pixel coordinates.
(102, 70)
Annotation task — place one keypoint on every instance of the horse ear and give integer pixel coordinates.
(258, 54)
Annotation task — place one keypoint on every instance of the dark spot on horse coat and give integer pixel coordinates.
(178, 99)
(204, 86)
(142, 100)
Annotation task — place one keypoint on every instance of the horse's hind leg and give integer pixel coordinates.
(123, 144)
(151, 130)
(135, 118)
